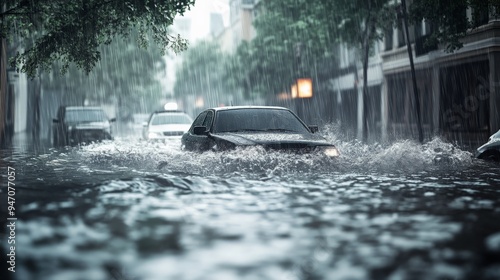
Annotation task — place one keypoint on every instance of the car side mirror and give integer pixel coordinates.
(55, 120)
(314, 128)
(112, 120)
(200, 130)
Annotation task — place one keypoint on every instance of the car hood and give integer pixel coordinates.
(245, 138)
(495, 136)
(90, 125)
(169, 127)
(493, 142)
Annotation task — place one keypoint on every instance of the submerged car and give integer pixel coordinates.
(79, 124)
(274, 128)
(166, 125)
(491, 149)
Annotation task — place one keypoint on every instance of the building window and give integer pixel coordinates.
(389, 39)
(427, 29)
(480, 14)
(401, 36)
(346, 56)
(418, 29)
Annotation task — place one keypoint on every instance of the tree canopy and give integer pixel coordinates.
(362, 23)
(306, 44)
(293, 38)
(72, 31)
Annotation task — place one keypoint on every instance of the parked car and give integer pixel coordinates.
(76, 125)
(491, 149)
(166, 125)
(277, 128)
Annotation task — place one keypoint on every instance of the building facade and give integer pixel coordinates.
(241, 16)
(459, 92)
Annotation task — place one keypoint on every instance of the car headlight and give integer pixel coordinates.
(331, 152)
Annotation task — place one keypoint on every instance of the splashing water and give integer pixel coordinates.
(400, 156)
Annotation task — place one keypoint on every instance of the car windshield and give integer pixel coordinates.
(170, 119)
(85, 115)
(263, 120)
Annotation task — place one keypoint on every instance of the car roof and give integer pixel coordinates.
(169, 112)
(248, 107)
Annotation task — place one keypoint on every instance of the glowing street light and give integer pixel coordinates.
(304, 86)
(170, 106)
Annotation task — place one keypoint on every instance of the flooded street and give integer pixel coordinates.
(321, 102)
(129, 209)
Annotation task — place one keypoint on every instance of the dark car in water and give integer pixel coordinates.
(274, 128)
(78, 124)
(491, 149)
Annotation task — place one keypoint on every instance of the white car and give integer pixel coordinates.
(166, 125)
(490, 150)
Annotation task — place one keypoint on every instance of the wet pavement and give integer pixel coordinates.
(129, 209)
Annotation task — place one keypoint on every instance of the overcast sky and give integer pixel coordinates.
(200, 16)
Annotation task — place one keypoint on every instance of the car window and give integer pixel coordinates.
(85, 115)
(258, 120)
(160, 119)
(208, 119)
(199, 120)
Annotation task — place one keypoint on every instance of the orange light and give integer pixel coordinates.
(305, 88)
(294, 91)
(283, 96)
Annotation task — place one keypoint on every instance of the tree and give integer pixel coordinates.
(449, 20)
(271, 62)
(362, 23)
(72, 31)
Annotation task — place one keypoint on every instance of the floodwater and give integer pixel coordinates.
(134, 210)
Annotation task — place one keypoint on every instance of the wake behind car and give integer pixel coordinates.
(78, 124)
(491, 149)
(166, 125)
(275, 128)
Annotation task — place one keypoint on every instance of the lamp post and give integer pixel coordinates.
(415, 88)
